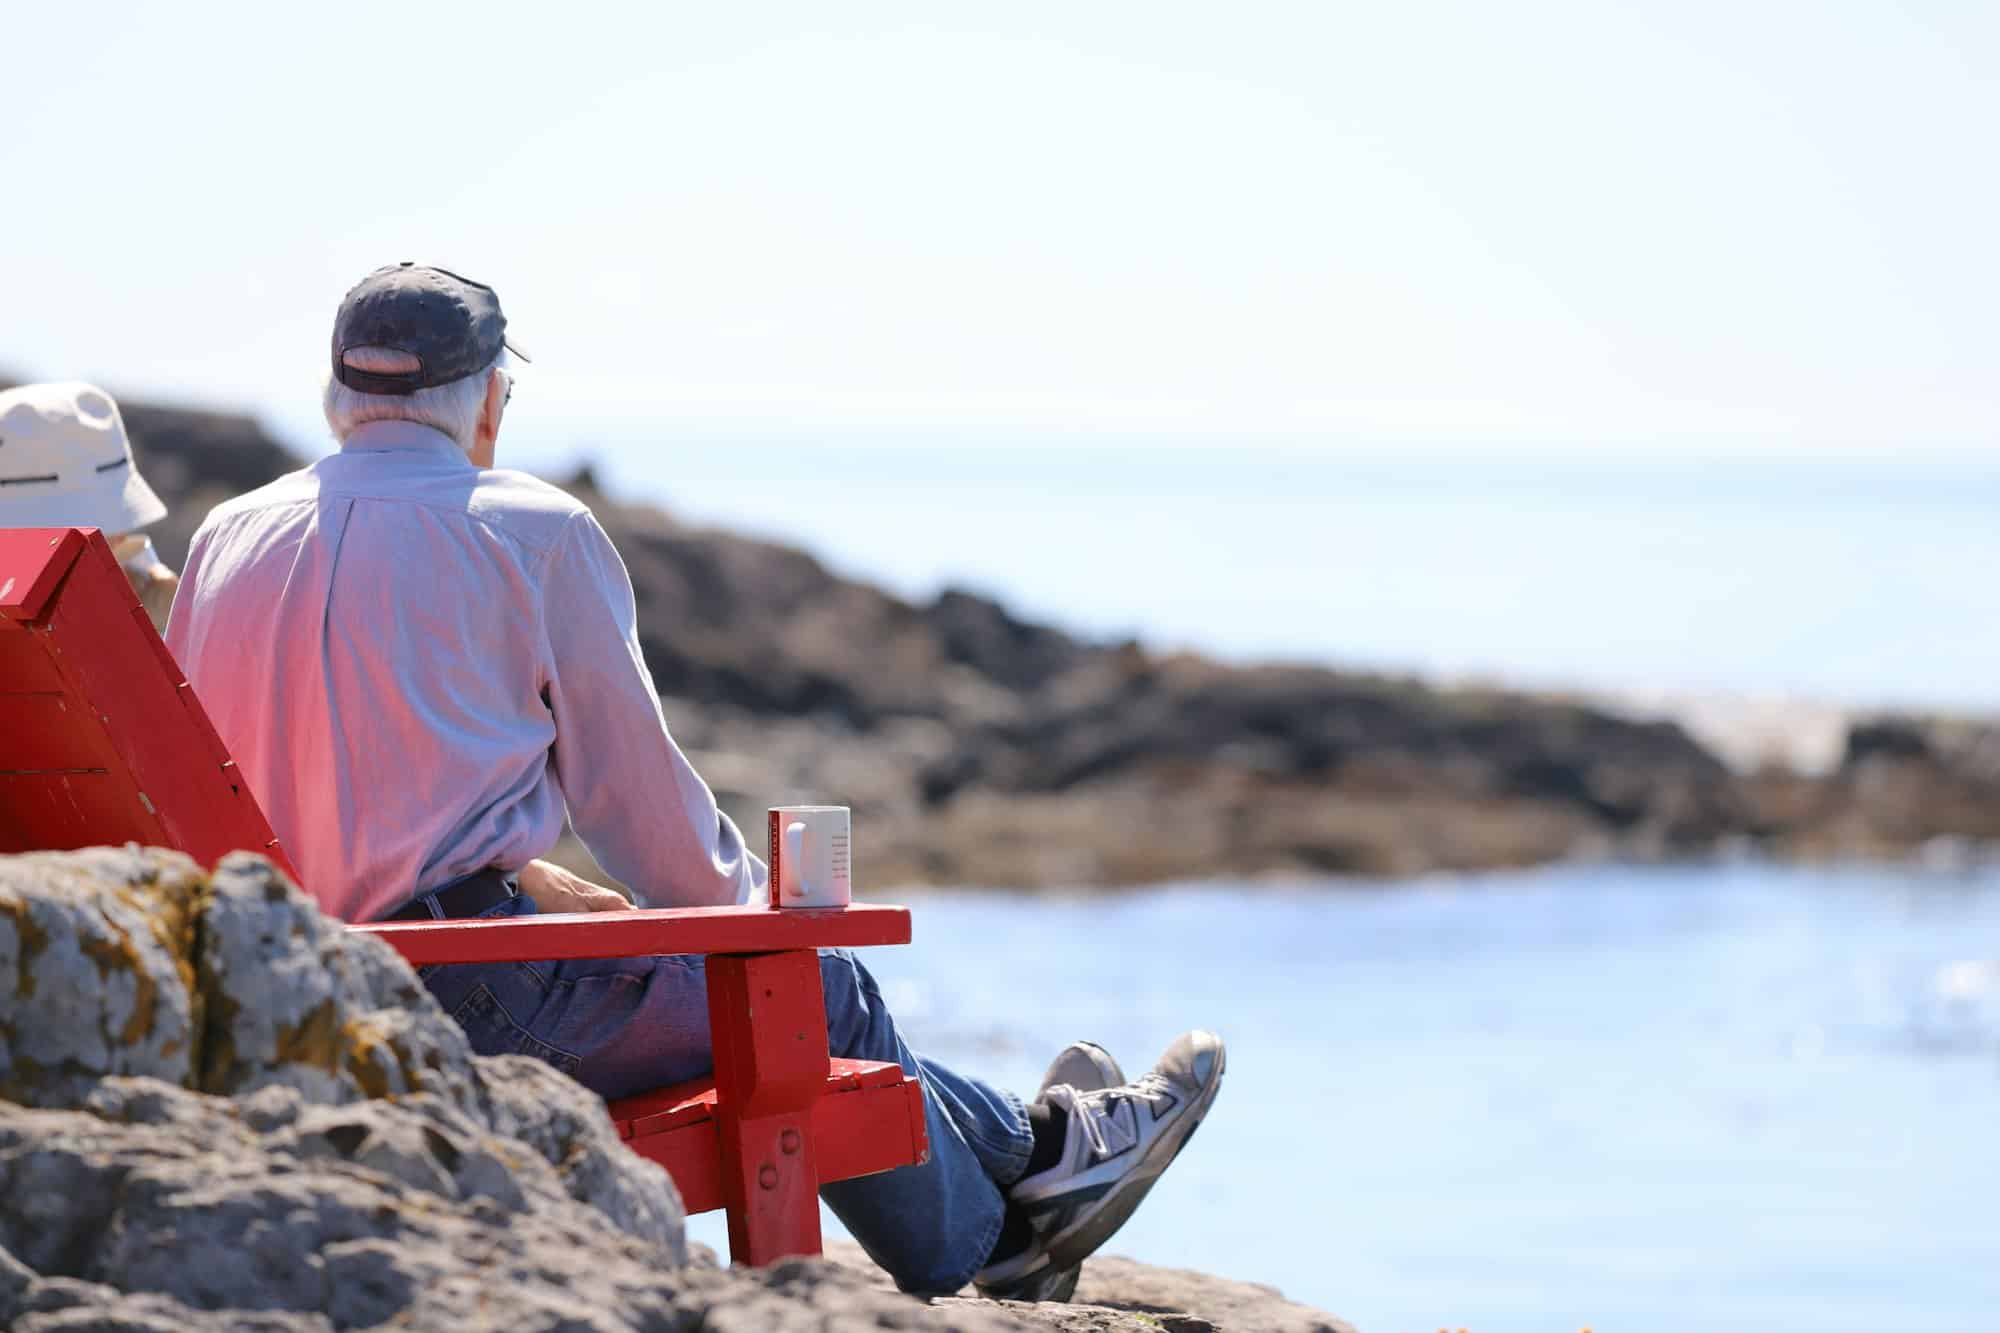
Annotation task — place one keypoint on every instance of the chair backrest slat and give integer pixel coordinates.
(101, 739)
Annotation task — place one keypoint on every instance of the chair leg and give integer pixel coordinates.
(767, 1020)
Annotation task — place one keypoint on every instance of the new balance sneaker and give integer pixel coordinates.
(1119, 1141)
(1085, 1067)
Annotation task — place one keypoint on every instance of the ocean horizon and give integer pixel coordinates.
(1854, 581)
(1762, 595)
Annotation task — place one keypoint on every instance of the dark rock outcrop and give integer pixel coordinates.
(1929, 785)
(977, 747)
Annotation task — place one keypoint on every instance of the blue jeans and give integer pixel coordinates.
(625, 1025)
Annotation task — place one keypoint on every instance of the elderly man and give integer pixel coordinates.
(422, 661)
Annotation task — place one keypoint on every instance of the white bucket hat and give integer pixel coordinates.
(65, 461)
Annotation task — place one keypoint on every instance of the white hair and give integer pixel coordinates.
(452, 408)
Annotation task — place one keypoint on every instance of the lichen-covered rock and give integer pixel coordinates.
(347, 1211)
(218, 1108)
(95, 970)
(129, 961)
(157, 1208)
(291, 997)
(220, 1070)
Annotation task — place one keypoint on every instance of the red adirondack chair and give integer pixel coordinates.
(103, 742)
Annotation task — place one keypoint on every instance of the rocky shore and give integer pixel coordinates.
(219, 1109)
(980, 748)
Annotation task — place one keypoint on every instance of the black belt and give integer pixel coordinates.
(460, 898)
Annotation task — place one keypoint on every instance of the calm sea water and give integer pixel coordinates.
(1737, 1098)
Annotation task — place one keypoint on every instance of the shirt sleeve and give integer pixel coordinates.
(633, 797)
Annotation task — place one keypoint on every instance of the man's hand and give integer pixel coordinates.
(556, 890)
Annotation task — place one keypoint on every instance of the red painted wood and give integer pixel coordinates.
(767, 1023)
(32, 564)
(101, 741)
(860, 1126)
(664, 930)
(662, 1108)
(40, 737)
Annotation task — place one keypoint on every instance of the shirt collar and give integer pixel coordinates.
(401, 437)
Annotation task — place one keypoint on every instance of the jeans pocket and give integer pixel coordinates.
(494, 1031)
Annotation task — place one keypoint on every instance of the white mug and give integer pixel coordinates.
(811, 860)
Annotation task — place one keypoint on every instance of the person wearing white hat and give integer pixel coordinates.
(65, 461)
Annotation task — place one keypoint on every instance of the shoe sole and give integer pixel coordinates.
(1062, 1286)
(1080, 1240)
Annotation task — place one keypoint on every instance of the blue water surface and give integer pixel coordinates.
(1720, 1098)
(1859, 581)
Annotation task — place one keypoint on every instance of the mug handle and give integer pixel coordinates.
(795, 837)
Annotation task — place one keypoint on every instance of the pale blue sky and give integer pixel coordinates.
(1742, 226)
(871, 278)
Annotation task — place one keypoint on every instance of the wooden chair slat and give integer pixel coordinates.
(634, 934)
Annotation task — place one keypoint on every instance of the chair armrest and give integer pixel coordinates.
(635, 934)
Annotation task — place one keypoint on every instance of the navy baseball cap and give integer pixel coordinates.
(452, 326)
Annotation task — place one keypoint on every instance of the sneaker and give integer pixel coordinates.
(1084, 1066)
(1119, 1141)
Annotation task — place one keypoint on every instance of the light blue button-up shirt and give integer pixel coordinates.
(419, 663)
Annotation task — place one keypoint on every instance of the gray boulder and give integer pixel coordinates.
(157, 1208)
(216, 1097)
(129, 962)
(289, 997)
(348, 1212)
(218, 1108)
(96, 971)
